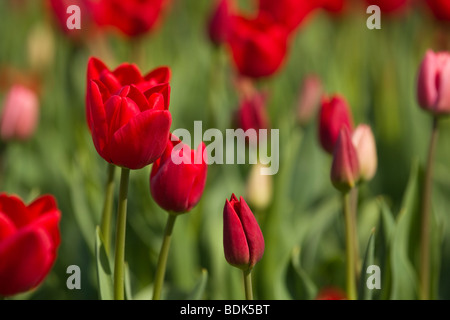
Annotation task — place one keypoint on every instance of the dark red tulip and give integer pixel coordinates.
(59, 8)
(128, 113)
(440, 9)
(258, 45)
(334, 113)
(252, 113)
(345, 169)
(220, 22)
(178, 178)
(131, 17)
(289, 13)
(331, 293)
(29, 240)
(389, 6)
(243, 240)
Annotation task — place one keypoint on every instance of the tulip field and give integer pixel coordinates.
(224, 150)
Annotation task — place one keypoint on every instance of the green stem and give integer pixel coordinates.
(350, 247)
(119, 265)
(426, 215)
(248, 284)
(354, 204)
(107, 207)
(163, 254)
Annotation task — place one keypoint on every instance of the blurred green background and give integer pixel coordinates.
(303, 226)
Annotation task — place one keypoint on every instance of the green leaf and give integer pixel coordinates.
(199, 290)
(404, 278)
(298, 281)
(364, 293)
(104, 274)
(128, 294)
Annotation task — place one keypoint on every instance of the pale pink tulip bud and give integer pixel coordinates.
(365, 146)
(433, 88)
(309, 99)
(20, 114)
(345, 167)
(259, 189)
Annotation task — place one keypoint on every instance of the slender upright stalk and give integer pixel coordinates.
(163, 254)
(107, 207)
(426, 216)
(350, 241)
(354, 204)
(248, 284)
(119, 264)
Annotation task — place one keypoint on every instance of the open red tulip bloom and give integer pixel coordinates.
(178, 187)
(29, 239)
(243, 240)
(128, 113)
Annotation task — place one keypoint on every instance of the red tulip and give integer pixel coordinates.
(243, 240)
(289, 13)
(220, 22)
(440, 9)
(128, 114)
(389, 6)
(20, 113)
(331, 294)
(131, 17)
(433, 87)
(334, 114)
(29, 240)
(252, 113)
(345, 172)
(258, 45)
(178, 178)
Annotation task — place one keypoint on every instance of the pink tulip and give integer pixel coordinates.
(20, 114)
(433, 88)
(365, 146)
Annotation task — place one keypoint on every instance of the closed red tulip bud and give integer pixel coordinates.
(20, 113)
(178, 178)
(243, 240)
(29, 240)
(331, 294)
(220, 22)
(433, 87)
(309, 99)
(334, 114)
(345, 167)
(132, 17)
(365, 146)
(389, 6)
(258, 45)
(252, 113)
(440, 9)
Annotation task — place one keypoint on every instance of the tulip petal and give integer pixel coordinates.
(443, 85)
(98, 116)
(95, 68)
(15, 210)
(142, 140)
(25, 259)
(234, 241)
(163, 89)
(253, 234)
(158, 75)
(50, 223)
(128, 74)
(7, 227)
(426, 88)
